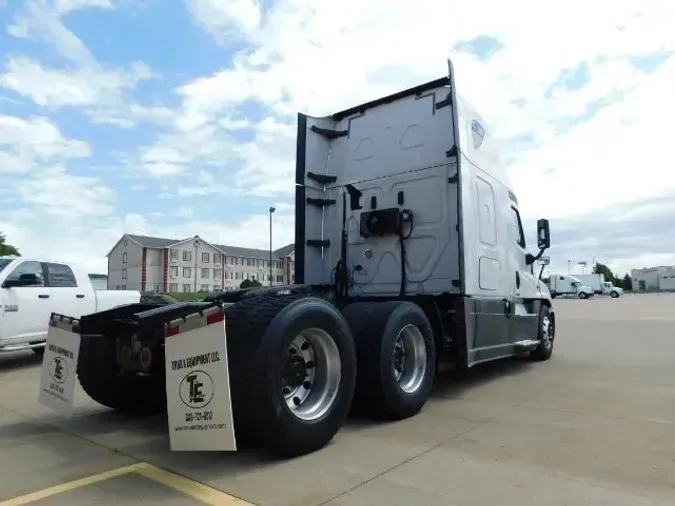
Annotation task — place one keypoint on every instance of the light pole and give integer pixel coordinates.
(196, 244)
(583, 267)
(272, 209)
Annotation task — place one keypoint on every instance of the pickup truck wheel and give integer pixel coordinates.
(614, 294)
(396, 357)
(100, 377)
(546, 335)
(293, 371)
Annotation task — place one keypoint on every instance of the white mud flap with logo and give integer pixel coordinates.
(58, 377)
(198, 383)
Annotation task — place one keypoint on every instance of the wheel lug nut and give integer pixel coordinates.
(307, 385)
(292, 351)
(286, 390)
(296, 401)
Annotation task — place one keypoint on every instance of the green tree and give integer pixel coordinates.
(7, 249)
(250, 283)
(606, 271)
(627, 282)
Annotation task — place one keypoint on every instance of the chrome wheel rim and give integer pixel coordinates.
(547, 331)
(311, 374)
(409, 359)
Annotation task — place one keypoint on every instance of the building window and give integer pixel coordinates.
(173, 272)
(217, 273)
(187, 288)
(204, 288)
(124, 257)
(205, 274)
(206, 257)
(173, 288)
(124, 287)
(124, 273)
(173, 254)
(154, 288)
(238, 276)
(216, 287)
(187, 272)
(280, 279)
(187, 255)
(126, 243)
(233, 260)
(217, 258)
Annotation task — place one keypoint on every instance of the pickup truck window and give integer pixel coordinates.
(28, 267)
(60, 276)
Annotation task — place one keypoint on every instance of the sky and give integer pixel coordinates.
(177, 117)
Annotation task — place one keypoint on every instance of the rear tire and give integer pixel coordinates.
(100, 377)
(614, 294)
(546, 335)
(380, 328)
(292, 370)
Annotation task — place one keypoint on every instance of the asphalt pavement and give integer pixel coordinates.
(595, 425)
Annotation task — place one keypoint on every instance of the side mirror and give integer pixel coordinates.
(24, 280)
(544, 260)
(543, 234)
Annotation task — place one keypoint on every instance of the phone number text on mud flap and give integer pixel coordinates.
(199, 416)
(59, 389)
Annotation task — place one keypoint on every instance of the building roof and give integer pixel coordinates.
(161, 243)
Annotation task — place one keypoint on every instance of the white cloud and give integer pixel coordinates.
(224, 19)
(27, 141)
(55, 192)
(101, 91)
(73, 5)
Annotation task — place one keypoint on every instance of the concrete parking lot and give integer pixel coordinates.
(594, 425)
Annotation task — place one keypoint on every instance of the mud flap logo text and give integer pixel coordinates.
(58, 370)
(196, 389)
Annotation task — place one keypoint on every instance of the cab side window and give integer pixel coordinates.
(60, 276)
(518, 228)
(28, 267)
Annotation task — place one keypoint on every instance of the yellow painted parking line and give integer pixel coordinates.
(194, 489)
(71, 485)
(186, 486)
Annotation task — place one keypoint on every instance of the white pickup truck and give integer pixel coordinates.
(30, 290)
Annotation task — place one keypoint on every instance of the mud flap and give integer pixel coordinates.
(59, 364)
(198, 383)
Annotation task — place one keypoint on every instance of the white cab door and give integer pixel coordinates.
(26, 309)
(68, 298)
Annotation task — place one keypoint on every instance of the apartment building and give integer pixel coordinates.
(155, 264)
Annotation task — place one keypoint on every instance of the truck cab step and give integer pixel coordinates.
(526, 344)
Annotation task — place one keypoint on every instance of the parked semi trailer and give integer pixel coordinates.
(409, 250)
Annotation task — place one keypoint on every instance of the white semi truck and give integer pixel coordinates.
(568, 285)
(409, 249)
(599, 285)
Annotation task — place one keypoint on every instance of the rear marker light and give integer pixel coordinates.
(146, 357)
